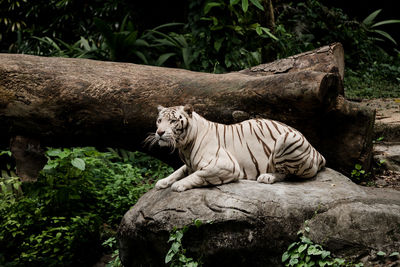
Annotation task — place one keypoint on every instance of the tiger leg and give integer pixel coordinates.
(272, 176)
(191, 181)
(294, 155)
(205, 177)
(286, 158)
(175, 176)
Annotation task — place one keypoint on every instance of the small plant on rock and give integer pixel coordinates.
(358, 173)
(176, 255)
(305, 253)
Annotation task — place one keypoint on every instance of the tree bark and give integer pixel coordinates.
(76, 102)
(329, 59)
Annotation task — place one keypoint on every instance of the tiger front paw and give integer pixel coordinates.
(161, 184)
(270, 178)
(179, 186)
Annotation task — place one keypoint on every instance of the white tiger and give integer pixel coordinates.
(215, 154)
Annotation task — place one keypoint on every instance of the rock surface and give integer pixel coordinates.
(387, 121)
(388, 154)
(252, 223)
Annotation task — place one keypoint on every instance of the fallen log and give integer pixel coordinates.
(76, 102)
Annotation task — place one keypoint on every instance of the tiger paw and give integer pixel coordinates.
(270, 178)
(179, 186)
(161, 184)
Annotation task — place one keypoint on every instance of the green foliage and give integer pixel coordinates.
(176, 255)
(82, 48)
(370, 25)
(227, 35)
(122, 44)
(312, 25)
(50, 17)
(79, 195)
(111, 243)
(374, 79)
(11, 21)
(218, 36)
(305, 253)
(358, 173)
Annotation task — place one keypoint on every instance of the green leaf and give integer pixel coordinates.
(325, 254)
(210, 5)
(292, 245)
(84, 43)
(141, 42)
(51, 165)
(183, 259)
(293, 261)
(163, 58)
(268, 32)
(5, 152)
(257, 4)
(233, 2)
(394, 254)
(390, 21)
(305, 240)
(179, 236)
(169, 256)
(245, 5)
(308, 258)
(175, 247)
(302, 248)
(53, 152)
(198, 223)
(386, 35)
(172, 24)
(186, 57)
(141, 56)
(16, 186)
(218, 44)
(285, 256)
(322, 263)
(381, 253)
(358, 167)
(258, 30)
(78, 163)
(368, 20)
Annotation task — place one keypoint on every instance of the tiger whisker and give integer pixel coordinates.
(150, 140)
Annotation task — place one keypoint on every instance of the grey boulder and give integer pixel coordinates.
(252, 224)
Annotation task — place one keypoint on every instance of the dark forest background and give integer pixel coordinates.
(212, 36)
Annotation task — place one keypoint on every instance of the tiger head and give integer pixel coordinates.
(171, 124)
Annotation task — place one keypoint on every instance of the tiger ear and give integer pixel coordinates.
(188, 109)
(159, 107)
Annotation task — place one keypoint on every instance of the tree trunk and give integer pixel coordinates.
(329, 59)
(76, 102)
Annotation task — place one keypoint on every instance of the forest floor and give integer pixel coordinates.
(386, 172)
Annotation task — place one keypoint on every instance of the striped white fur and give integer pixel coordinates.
(258, 149)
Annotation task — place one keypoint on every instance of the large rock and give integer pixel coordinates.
(252, 224)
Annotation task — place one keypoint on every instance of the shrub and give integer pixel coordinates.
(80, 195)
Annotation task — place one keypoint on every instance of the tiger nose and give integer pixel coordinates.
(160, 133)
